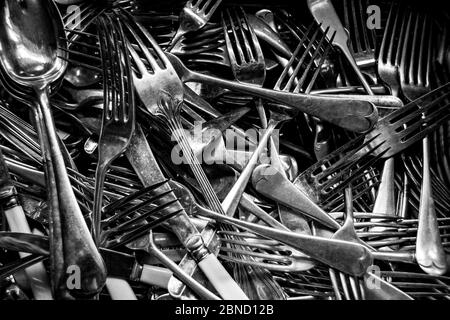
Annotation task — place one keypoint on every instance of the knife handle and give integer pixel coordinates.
(17, 222)
(221, 280)
(119, 289)
(155, 276)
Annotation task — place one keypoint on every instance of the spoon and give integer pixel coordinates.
(81, 77)
(31, 33)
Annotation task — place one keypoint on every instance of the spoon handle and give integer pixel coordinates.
(351, 114)
(77, 266)
(430, 253)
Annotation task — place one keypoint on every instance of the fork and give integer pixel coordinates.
(388, 61)
(307, 244)
(360, 115)
(248, 66)
(359, 288)
(362, 39)
(205, 47)
(323, 11)
(325, 14)
(75, 25)
(118, 112)
(245, 53)
(255, 70)
(193, 17)
(388, 138)
(414, 71)
(161, 91)
(390, 49)
(271, 254)
(246, 57)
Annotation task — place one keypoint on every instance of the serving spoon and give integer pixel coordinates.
(31, 38)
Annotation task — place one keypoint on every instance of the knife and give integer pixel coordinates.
(125, 266)
(119, 265)
(17, 222)
(142, 160)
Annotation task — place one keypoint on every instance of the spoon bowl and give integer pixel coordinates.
(42, 58)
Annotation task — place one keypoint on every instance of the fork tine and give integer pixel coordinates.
(205, 6)
(355, 29)
(354, 285)
(386, 49)
(137, 60)
(343, 157)
(235, 38)
(116, 73)
(255, 244)
(413, 73)
(288, 85)
(406, 51)
(70, 17)
(289, 64)
(82, 9)
(154, 45)
(419, 120)
(254, 39)
(334, 282)
(125, 200)
(240, 15)
(214, 7)
(368, 34)
(410, 140)
(143, 48)
(352, 175)
(272, 257)
(428, 66)
(253, 262)
(101, 25)
(136, 207)
(312, 61)
(344, 285)
(398, 118)
(124, 112)
(145, 215)
(141, 230)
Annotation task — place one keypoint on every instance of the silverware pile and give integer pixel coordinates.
(214, 150)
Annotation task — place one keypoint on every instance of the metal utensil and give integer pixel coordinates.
(118, 111)
(37, 66)
(194, 16)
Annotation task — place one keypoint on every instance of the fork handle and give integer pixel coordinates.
(348, 257)
(430, 253)
(79, 267)
(354, 115)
